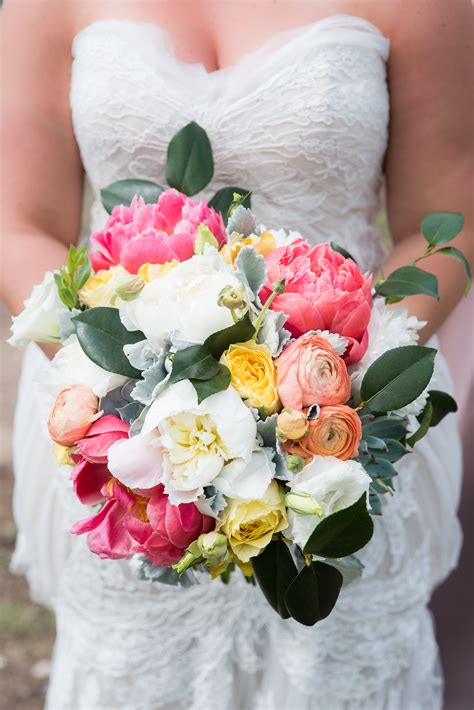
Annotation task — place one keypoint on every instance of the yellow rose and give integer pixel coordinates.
(99, 289)
(253, 374)
(149, 272)
(250, 524)
(263, 245)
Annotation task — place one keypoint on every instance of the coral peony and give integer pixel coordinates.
(153, 233)
(323, 291)
(310, 372)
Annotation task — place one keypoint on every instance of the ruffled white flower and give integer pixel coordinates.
(38, 320)
(334, 485)
(390, 327)
(190, 442)
(183, 301)
(247, 479)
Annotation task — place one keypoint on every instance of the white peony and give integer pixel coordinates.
(39, 319)
(183, 301)
(72, 366)
(190, 442)
(334, 485)
(247, 479)
(390, 327)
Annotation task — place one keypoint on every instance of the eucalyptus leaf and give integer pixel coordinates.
(387, 427)
(459, 256)
(240, 332)
(441, 227)
(223, 199)
(189, 165)
(274, 570)
(102, 337)
(392, 452)
(195, 362)
(397, 377)
(342, 533)
(375, 503)
(408, 281)
(220, 381)
(122, 192)
(380, 468)
(313, 593)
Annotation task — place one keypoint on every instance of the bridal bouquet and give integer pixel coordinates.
(230, 396)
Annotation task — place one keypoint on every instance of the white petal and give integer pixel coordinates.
(248, 479)
(137, 462)
(180, 397)
(234, 421)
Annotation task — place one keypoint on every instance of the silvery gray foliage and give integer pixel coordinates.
(250, 269)
(165, 575)
(141, 355)
(272, 333)
(117, 398)
(242, 221)
(137, 424)
(350, 567)
(129, 412)
(214, 499)
(66, 325)
(266, 432)
(153, 382)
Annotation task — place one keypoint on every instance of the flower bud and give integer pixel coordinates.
(303, 503)
(279, 286)
(204, 236)
(129, 288)
(232, 297)
(291, 424)
(190, 557)
(295, 463)
(213, 547)
(73, 412)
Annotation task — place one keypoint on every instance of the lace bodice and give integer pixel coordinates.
(301, 122)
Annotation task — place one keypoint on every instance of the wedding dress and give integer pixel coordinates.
(302, 122)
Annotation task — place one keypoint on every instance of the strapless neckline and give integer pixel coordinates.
(282, 40)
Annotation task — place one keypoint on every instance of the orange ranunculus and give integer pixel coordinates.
(73, 412)
(336, 432)
(309, 371)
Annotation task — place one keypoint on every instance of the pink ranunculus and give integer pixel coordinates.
(153, 233)
(91, 471)
(323, 291)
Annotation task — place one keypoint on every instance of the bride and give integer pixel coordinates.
(295, 99)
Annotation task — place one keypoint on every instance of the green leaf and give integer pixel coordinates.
(380, 468)
(397, 377)
(442, 404)
(313, 593)
(102, 337)
(342, 533)
(274, 571)
(440, 227)
(223, 199)
(195, 362)
(424, 425)
(385, 428)
(459, 256)
(375, 503)
(340, 250)
(190, 165)
(240, 332)
(220, 381)
(408, 281)
(393, 451)
(122, 192)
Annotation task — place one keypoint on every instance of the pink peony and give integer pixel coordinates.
(323, 291)
(153, 233)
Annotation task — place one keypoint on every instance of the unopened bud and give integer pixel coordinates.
(204, 236)
(129, 288)
(303, 503)
(291, 424)
(190, 557)
(279, 286)
(295, 463)
(232, 297)
(213, 547)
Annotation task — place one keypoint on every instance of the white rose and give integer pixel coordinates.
(72, 366)
(190, 442)
(334, 485)
(390, 327)
(39, 319)
(184, 300)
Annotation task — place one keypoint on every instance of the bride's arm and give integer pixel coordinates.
(429, 162)
(41, 173)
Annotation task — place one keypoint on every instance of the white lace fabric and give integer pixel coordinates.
(302, 123)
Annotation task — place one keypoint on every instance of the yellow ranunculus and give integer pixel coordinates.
(99, 289)
(149, 272)
(250, 524)
(253, 374)
(263, 244)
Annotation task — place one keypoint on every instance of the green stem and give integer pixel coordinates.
(262, 314)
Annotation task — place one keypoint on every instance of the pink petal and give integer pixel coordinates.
(88, 480)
